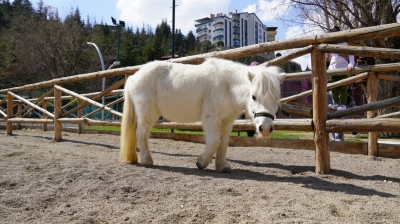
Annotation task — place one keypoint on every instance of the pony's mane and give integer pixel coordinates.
(222, 62)
(268, 78)
(269, 81)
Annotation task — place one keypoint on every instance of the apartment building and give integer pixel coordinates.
(234, 30)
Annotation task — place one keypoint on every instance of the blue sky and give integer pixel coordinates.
(135, 13)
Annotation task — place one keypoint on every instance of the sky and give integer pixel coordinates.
(135, 13)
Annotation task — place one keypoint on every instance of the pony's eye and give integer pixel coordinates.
(253, 97)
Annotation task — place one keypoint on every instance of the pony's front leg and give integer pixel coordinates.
(221, 164)
(212, 143)
(142, 134)
(213, 139)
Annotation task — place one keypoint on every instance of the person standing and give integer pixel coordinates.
(338, 94)
(336, 61)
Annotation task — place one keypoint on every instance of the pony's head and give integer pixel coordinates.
(265, 92)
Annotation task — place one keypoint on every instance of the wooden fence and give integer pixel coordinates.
(316, 118)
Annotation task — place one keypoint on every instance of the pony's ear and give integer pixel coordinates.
(281, 76)
(251, 76)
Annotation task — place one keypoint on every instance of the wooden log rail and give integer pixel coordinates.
(31, 104)
(295, 54)
(96, 97)
(89, 95)
(329, 86)
(395, 101)
(108, 105)
(36, 102)
(363, 125)
(88, 101)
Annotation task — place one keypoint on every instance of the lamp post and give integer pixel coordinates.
(118, 25)
(103, 80)
(173, 29)
(116, 63)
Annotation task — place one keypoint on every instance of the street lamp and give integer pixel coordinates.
(118, 25)
(116, 63)
(173, 29)
(103, 80)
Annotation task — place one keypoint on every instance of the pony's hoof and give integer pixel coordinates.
(147, 165)
(199, 165)
(226, 169)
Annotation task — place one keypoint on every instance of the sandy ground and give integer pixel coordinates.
(80, 180)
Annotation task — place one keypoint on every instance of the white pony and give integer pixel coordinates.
(214, 92)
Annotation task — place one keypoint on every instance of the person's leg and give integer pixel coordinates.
(335, 91)
(343, 95)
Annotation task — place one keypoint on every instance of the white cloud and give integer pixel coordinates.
(251, 8)
(269, 10)
(139, 12)
(293, 32)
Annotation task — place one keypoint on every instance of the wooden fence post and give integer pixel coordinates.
(19, 110)
(372, 96)
(80, 115)
(319, 96)
(10, 103)
(44, 106)
(57, 113)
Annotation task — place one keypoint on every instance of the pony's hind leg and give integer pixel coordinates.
(221, 164)
(142, 134)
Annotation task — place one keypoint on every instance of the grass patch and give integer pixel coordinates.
(103, 128)
(279, 134)
(289, 134)
(276, 134)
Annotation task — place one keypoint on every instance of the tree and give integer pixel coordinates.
(352, 14)
(190, 43)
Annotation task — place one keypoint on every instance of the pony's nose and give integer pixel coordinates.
(260, 129)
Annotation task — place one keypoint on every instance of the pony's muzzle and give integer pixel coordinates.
(265, 132)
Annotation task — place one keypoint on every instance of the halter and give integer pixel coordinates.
(264, 114)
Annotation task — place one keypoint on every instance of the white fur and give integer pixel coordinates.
(215, 93)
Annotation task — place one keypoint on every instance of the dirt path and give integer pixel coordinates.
(80, 180)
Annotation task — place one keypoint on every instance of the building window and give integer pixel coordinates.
(256, 33)
(230, 35)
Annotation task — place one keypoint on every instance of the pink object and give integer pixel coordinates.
(254, 63)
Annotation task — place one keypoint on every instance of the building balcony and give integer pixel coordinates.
(202, 35)
(201, 30)
(218, 24)
(219, 37)
(236, 32)
(219, 29)
(236, 20)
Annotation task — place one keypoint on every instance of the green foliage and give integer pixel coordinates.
(247, 60)
(291, 66)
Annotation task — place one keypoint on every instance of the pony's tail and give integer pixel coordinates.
(128, 132)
